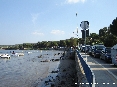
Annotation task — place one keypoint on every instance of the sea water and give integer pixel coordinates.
(28, 70)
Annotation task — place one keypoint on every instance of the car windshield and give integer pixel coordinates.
(88, 47)
(100, 47)
(108, 50)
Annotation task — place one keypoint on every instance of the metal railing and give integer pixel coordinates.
(85, 68)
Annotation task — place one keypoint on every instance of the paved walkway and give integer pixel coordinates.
(103, 77)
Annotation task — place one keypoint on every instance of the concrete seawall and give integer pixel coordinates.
(66, 73)
(69, 74)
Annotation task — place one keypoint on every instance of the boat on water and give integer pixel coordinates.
(17, 54)
(5, 56)
(21, 54)
(29, 52)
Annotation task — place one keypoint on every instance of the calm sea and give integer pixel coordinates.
(27, 70)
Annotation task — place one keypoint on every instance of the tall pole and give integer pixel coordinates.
(78, 38)
(85, 46)
(85, 25)
(85, 40)
(77, 33)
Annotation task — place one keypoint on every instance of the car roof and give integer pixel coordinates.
(83, 46)
(88, 45)
(98, 45)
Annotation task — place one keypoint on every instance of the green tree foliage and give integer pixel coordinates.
(62, 43)
(94, 39)
(103, 33)
(106, 37)
(68, 42)
(54, 43)
(113, 27)
(94, 36)
(110, 40)
(81, 41)
(73, 42)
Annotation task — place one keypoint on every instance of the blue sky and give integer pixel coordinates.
(30, 21)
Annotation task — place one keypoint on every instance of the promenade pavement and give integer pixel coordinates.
(103, 77)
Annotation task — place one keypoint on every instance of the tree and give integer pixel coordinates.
(94, 38)
(73, 42)
(103, 32)
(110, 40)
(62, 43)
(49, 44)
(81, 41)
(113, 27)
(68, 42)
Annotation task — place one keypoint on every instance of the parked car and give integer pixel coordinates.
(89, 52)
(97, 50)
(114, 54)
(87, 48)
(82, 48)
(106, 54)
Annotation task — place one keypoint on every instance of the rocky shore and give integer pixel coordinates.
(66, 73)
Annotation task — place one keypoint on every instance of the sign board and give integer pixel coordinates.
(83, 33)
(84, 25)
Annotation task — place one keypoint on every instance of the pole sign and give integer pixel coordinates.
(84, 25)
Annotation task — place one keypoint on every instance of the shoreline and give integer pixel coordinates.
(64, 75)
(28, 70)
(51, 72)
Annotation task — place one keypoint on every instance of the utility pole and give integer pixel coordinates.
(85, 25)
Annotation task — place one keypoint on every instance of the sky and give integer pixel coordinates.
(32, 21)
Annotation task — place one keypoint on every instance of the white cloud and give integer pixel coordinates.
(57, 32)
(75, 1)
(34, 17)
(38, 33)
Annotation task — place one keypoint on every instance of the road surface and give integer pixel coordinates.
(105, 73)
